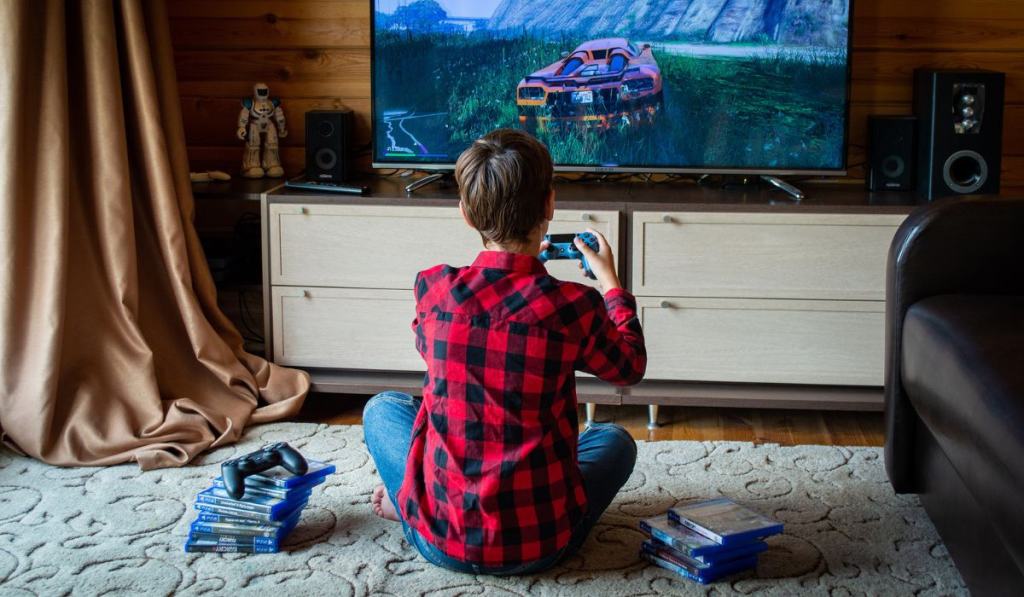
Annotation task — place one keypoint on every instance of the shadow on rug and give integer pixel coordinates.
(116, 530)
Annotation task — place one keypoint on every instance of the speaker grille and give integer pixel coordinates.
(325, 158)
(965, 171)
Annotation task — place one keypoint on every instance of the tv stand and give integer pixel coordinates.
(745, 300)
(444, 178)
(784, 186)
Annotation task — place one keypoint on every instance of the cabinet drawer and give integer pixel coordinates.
(346, 329)
(764, 341)
(749, 255)
(364, 246)
(360, 246)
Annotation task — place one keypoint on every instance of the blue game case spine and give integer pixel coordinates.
(208, 497)
(257, 516)
(216, 528)
(671, 567)
(271, 542)
(671, 541)
(702, 574)
(222, 548)
(207, 516)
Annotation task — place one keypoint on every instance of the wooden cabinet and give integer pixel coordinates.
(761, 255)
(772, 305)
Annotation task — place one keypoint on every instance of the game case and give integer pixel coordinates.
(207, 546)
(245, 518)
(279, 477)
(274, 491)
(248, 530)
(679, 537)
(725, 521)
(262, 504)
(694, 545)
(664, 557)
(259, 517)
(272, 542)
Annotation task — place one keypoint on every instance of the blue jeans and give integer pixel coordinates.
(606, 456)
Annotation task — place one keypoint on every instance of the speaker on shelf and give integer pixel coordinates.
(329, 145)
(891, 153)
(960, 131)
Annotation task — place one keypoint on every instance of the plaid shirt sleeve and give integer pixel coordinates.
(613, 349)
(419, 289)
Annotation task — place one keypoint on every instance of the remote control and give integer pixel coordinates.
(562, 247)
(330, 187)
(235, 471)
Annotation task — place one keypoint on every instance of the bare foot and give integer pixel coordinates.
(382, 505)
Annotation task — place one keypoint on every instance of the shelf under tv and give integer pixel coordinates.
(790, 294)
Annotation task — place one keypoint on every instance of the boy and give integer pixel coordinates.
(488, 474)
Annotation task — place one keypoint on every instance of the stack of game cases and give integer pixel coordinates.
(260, 520)
(704, 541)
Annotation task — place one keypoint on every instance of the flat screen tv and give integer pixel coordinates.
(711, 86)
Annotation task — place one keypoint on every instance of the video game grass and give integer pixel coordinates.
(632, 84)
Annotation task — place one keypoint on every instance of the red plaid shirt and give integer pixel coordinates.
(492, 476)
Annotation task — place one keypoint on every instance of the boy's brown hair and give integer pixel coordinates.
(504, 180)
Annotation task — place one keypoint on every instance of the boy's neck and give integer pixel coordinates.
(530, 246)
(524, 249)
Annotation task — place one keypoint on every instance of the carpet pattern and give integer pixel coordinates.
(118, 531)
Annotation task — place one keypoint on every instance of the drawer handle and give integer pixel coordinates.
(666, 305)
(668, 219)
(305, 211)
(307, 294)
(586, 217)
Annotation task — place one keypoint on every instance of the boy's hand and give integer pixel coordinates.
(602, 263)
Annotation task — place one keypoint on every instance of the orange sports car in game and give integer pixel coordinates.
(603, 83)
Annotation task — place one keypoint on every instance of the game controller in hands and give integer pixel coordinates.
(235, 471)
(562, 247)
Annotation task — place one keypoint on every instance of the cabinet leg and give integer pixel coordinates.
(591, 410)
(652, 416)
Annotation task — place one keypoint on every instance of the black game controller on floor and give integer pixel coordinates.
(235, 471)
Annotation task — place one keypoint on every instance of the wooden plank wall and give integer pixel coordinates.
(315, 54)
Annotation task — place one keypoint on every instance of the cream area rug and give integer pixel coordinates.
(100, 531)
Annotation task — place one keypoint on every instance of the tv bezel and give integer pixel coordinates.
(767, 171)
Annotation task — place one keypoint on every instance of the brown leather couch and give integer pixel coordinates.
(954, 395)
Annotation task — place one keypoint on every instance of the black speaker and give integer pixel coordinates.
(891, 153)
(329, 145)
(960, 131)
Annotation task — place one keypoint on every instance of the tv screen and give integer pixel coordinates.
(630, 85)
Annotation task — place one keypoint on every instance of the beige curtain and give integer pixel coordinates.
(112, 347)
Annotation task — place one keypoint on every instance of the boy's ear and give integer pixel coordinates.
(549, 206)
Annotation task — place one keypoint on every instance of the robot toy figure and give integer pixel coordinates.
(261, 114)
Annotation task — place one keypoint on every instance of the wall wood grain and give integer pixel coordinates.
(315, 54)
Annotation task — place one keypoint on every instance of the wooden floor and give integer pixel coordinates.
(784, 427)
